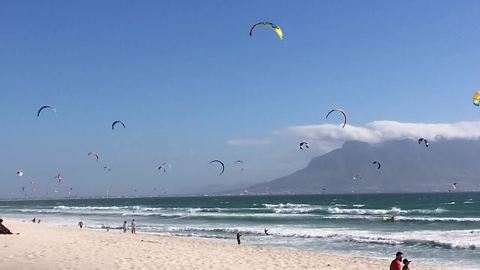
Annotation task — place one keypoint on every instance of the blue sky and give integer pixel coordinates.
(186, 78)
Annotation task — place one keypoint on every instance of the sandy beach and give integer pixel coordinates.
(48, 246)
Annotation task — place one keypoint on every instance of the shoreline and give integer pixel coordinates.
(54, 246)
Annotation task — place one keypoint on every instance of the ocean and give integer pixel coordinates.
(438, 228)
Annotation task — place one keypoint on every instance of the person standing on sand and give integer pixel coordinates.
(397, 262)
(134, 227)
(80, 224)
(406, 264)
(124, 226)
(238, 238)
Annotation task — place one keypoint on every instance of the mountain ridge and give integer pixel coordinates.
(406, 167)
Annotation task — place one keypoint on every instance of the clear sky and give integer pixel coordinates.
(192, 86)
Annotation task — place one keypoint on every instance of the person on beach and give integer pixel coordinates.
(238, 238)
(3, 229)
(38, 221)
(124, 227)
(406, 264)
(80, 224)
(397, 262)
(34, 219)
(134, 227)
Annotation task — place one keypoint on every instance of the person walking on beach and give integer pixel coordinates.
(397, 262)
(238, 238)
(134, 227)
(124, 226)
(406, 264)
(34, 219)
(80, 224)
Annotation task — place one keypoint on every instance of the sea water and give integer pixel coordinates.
(429, 228)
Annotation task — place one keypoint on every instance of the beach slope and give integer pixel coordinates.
(45, 246)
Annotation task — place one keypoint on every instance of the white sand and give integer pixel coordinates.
(44, 246)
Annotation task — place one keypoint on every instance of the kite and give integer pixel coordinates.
(378, 164)
(117, 122)
(59, 177)
(240, 162)
(476, 98)
(19, 173)
(424, 141)
(94, 154)
(45, 107)
(302, 144)
(164, 166)
(221, 163)
(340, 111)
(277, 29)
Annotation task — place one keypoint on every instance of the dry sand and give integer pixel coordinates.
(45, 246)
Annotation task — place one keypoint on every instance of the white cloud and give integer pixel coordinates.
(379, 131)
(324, 138)
(248, 142)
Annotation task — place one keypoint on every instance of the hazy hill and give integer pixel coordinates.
(406, 167)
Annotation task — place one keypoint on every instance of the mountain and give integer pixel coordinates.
(406, 167)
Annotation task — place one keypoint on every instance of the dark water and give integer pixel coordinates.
(431, 228)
